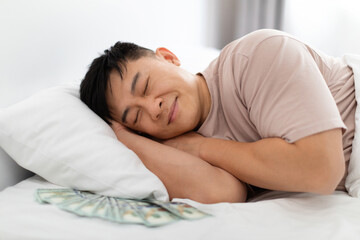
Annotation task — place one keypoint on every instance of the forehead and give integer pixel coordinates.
(131, 67)
(118, 89)
(129, 71)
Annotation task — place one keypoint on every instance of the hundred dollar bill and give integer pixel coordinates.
(86, 204)
(58, 195)
(182, 210)
(151, 213)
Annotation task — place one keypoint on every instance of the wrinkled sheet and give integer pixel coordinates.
(274, 215)
(353, 178)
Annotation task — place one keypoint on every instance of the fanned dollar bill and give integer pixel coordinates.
(151, 212)
(181, 210)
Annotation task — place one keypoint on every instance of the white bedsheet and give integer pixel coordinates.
(352, 183)
(275, 215)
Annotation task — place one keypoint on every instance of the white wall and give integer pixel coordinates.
(48, 42)
(332, 26)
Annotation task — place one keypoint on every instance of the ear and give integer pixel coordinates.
(167, 55)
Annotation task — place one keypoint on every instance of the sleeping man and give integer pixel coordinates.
(269, 113)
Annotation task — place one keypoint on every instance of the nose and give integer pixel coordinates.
(155, 108)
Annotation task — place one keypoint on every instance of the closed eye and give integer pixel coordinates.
(146, 86)
(145, 90)
(137, 116)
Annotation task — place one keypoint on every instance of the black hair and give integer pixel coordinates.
(93, 86)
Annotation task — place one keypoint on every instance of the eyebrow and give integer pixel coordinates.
(133, 87)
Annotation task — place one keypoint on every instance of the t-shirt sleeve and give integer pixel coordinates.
(285, 93)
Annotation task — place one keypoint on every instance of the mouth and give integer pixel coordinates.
(173, 111)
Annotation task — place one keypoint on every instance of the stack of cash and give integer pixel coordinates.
(151, 213)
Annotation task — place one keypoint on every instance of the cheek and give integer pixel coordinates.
(157, 131)
(188, 114)
(148, 127)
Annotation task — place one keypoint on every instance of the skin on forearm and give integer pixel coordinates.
(185, 175)
(273, 163)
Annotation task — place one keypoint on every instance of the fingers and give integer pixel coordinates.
(116, 126)
(113, 122)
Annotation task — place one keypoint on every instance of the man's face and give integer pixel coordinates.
(156, 96)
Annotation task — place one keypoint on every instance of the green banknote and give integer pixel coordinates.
(181, 210)
(151, 213)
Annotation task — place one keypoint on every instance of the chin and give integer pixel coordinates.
(168, 135)
(164, 137)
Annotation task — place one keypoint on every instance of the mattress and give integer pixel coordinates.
(273, 215)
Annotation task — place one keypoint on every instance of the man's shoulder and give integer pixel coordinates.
(248, 43)
(239, 51)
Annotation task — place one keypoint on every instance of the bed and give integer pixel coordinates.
(271, 215)
(274, 215)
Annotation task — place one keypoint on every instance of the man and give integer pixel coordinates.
(269, 112)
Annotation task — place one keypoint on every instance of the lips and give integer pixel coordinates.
(173, 111)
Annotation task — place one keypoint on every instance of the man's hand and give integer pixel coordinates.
(189, 142)
(118, 128)
(184, 175)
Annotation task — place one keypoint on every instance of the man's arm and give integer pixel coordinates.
(312, 164)
(184, 175)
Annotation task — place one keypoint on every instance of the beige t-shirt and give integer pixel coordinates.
(269, 84)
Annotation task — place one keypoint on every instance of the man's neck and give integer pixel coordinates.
(205, 98)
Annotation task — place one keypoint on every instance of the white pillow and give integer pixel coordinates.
(55, 135)
(352, 182)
